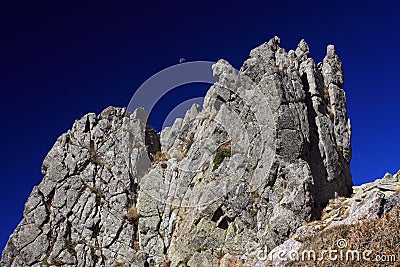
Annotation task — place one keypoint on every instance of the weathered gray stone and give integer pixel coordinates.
(369, 201)
(77, 215)
(307, 146)
(281, 122)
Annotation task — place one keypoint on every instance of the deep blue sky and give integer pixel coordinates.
(62, 59)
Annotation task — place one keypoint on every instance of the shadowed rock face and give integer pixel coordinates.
(267, 152)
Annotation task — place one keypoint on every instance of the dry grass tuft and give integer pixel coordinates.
(381, 236)
(326, 94)
(132, 214)
(235, 262)
(331, 115)
(254, 195)
(160, 156)
(166, 263)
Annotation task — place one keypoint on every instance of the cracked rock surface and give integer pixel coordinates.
(77, 216)
(369, 201)
(268, 150)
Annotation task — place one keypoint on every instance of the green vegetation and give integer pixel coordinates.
(219, 157)
(70, 246)
(253, 212)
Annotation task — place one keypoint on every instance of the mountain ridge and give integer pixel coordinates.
(265, 155)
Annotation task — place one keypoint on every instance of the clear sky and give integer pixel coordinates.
(62, 59)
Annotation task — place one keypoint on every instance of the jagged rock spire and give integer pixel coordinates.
(267, 152)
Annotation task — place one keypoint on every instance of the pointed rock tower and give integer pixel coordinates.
(268, 150)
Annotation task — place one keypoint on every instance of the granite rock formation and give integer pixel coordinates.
(267, 152)
(368, 202)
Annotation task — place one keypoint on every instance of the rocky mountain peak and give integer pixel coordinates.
(268, 150)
